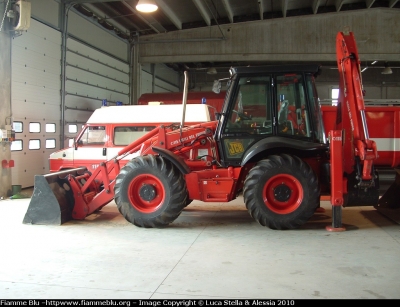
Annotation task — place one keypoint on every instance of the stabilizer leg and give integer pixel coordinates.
(336, 220)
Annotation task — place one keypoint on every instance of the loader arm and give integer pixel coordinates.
(76, 193)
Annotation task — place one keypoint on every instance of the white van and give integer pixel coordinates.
(109, 129)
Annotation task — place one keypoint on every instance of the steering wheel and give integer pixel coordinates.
(242, 115)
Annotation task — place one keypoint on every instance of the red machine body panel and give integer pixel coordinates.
(384, 129)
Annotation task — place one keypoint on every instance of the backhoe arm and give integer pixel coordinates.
(351, 111)
(353, 178)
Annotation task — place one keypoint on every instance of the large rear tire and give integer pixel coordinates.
(150, 192)
(281, 192)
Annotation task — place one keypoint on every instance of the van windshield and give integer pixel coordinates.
(93, 135)
(127, 134)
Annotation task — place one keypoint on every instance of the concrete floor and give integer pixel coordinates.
(211, 251)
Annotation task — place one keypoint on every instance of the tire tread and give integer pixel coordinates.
(258, 210)
(176, 201)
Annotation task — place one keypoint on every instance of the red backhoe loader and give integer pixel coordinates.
(269, 144)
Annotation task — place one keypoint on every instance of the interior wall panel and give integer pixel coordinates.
(97, 56)
(146, 82)
(163, 72)
(98, 81)
(91, 77)
(46, 10)
(163, 86)
(97, 36)
(165, 79)
(35, 91)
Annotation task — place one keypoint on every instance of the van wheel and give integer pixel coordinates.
(281, 192)
(150, 192)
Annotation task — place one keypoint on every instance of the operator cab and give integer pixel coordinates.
(272, 108)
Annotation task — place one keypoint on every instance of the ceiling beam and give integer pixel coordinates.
(113, 19)
(284, 7)
(149, 20)
(170, 14)
(228, 10)
(261, 8)
(369, 3)
(315, 6)
(203, 11)
(86, 1)
(338, 4)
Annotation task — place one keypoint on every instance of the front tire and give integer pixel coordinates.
(281, 192)
(150, 192)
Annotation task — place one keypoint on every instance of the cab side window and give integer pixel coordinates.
(293, 117)
(252, 111)
(251, 116)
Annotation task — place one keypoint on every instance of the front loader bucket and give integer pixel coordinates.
(52, 200)
(389, 203)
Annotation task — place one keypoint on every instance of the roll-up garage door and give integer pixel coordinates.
(36, 99)
(91, 78)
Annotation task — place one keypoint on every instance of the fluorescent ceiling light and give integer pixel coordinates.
(146, 6)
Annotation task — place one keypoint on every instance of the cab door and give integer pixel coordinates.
(90, 148)
(250, 119)
(277, 104)
(293, 114)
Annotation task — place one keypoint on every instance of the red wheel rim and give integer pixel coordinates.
(282, 194)
(134, 193)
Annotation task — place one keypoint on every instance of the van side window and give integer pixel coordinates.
(93, 135)
(125, 135)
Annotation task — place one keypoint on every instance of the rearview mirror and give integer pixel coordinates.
(77, 143)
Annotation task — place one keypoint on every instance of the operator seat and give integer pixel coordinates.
(285, 125)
